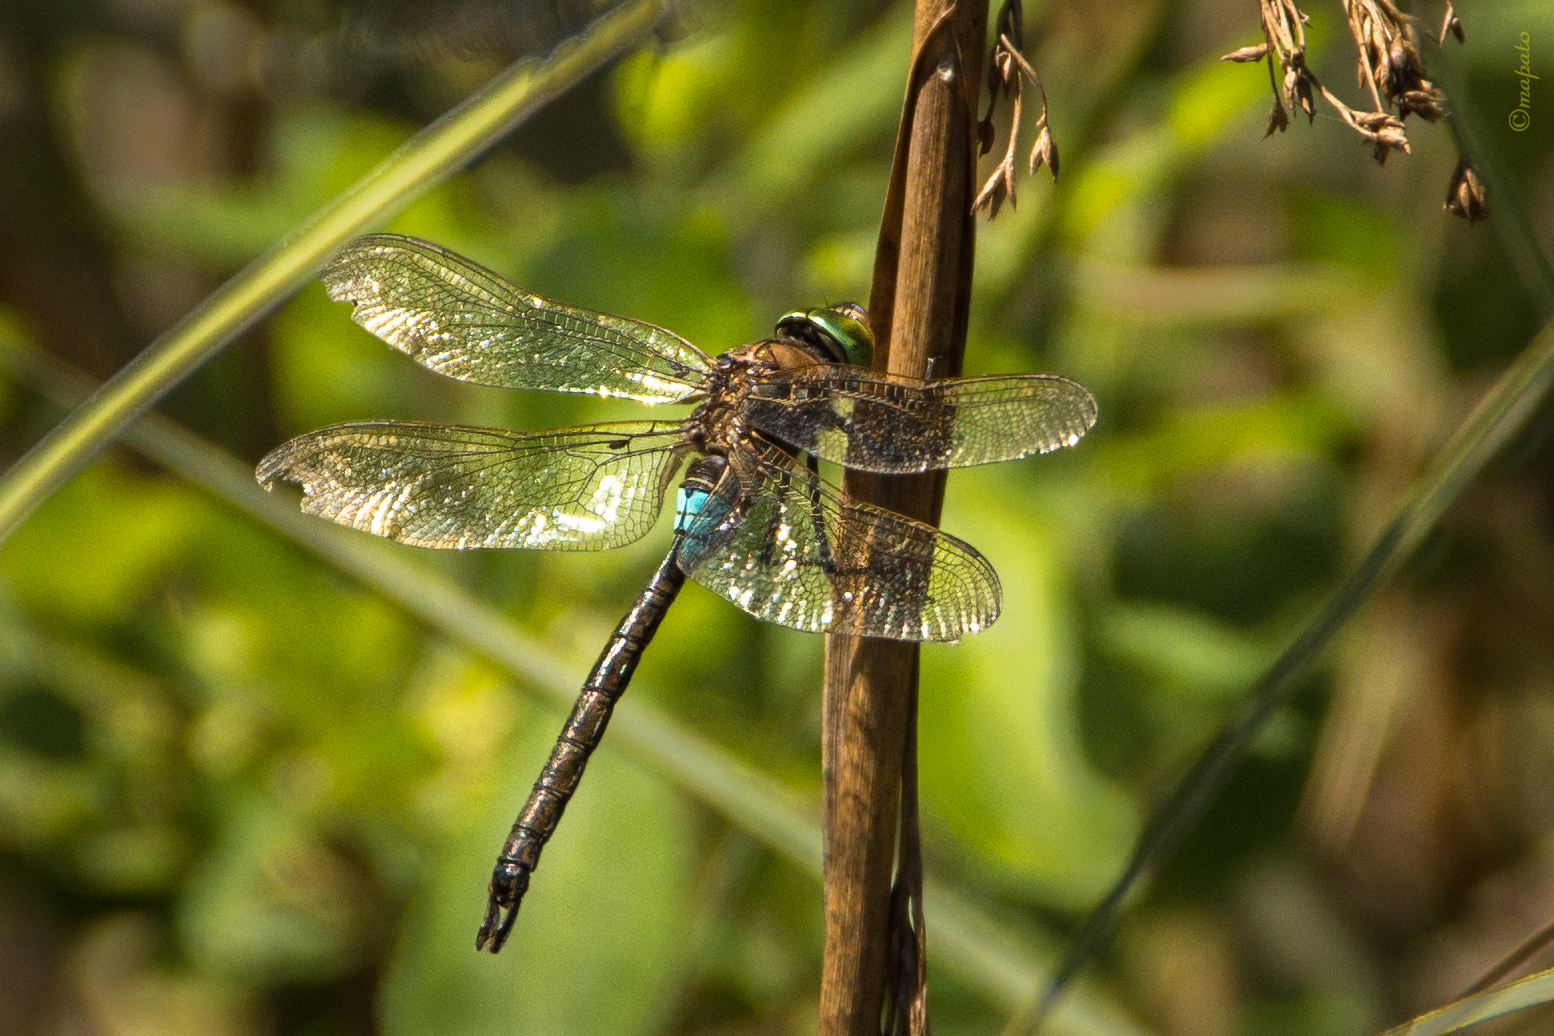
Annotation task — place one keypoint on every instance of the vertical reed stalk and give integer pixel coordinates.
(918, 303)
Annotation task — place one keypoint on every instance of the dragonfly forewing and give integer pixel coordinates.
(790, 548)
(460, 319)
(585, 488)
(894, 425)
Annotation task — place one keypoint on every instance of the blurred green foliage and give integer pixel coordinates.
(240, 794)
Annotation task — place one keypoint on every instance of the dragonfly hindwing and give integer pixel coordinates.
(449, 486)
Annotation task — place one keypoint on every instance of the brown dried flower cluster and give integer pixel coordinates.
(1389, 60)
(1004, 74)
(1388, 66)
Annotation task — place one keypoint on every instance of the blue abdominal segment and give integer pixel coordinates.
(687, 507)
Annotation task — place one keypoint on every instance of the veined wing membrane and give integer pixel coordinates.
(462, 320)
(447, 486)
(789, 547)
(896, 425)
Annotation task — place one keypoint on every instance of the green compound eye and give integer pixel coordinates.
(841, 331)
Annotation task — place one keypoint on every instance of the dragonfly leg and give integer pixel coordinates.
(584, 728)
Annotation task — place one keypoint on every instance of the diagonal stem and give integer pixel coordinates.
(423, 161)
(1501, 415)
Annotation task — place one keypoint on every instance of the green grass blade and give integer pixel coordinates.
(426, 159)
(981, 952)
(1531, 991)
(1502, 413)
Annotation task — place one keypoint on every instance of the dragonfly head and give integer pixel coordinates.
(840, 333)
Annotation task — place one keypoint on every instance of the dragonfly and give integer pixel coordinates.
(752, 523)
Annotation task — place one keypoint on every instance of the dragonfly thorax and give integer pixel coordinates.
(721, 421)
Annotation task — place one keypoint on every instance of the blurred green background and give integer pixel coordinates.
(240, 794)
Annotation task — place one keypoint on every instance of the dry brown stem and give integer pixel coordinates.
(919, 304)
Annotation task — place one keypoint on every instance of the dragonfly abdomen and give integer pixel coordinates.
(582, 733)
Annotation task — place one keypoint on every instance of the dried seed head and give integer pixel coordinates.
(1388, 66)
(1465, 196)
(1297, 88)
(1377, 122)
(1387, 132)
(1450, 24)
(1278, 120)
(1007, 71)
(1247, 54)
(1428, 104)
(1044, 152)
(1401, 62)
(998, 187)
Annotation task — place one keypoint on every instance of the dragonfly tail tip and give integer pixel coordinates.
(496, 928)
(508, 885)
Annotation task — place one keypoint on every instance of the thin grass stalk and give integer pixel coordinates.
(1503, 412)
(918, 303)
(983, 954)
(1535, 989)
(1508, 212)
(421, 163)
(1530, 947)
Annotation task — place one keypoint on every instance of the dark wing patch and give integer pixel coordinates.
(894, 425)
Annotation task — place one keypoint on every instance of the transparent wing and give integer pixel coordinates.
(894, 425)
(452, 487)
(789, 547)
(462, 320)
